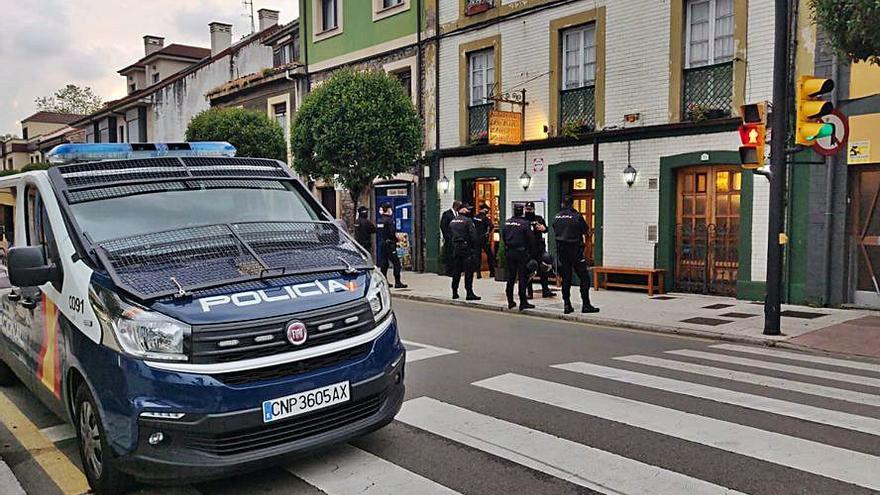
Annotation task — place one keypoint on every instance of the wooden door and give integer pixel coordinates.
(866, 236)
(488, 191)
(707, 230)
(583, 189)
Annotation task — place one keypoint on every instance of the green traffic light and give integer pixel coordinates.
(819, 131)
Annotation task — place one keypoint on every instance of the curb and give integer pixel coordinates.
(631, 325)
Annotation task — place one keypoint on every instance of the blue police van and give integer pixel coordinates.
(193, 314)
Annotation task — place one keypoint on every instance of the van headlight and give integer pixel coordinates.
(379, 296)
(139, 332)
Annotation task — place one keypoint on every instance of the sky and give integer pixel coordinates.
(46, 44)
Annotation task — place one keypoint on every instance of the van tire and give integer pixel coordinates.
(7, 377)
(96, 455)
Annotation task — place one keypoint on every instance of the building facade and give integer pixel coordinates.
(609, 87)
(372, 34)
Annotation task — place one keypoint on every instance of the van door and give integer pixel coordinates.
(44, 330)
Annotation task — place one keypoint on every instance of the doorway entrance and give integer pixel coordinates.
(582, 187)
(707, 231)
(480, 191)
(865, 236)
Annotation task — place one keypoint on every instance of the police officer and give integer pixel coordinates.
(484, 227)
(570, 228)
(465, 251)
(364, 229)
(446, 249)
(539, 227)
(518, 242)
(386, 234)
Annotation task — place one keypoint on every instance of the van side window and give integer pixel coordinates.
(39, 229)
(7, 221)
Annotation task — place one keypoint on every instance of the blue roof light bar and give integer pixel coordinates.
(93, 152)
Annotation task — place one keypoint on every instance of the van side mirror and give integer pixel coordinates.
(27, 266)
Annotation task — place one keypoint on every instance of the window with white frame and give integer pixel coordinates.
(387, 4)
(579, 57)
(481, 76)
(280, 111)
(329, 12)
(709, 32)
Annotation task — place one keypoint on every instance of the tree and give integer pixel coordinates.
(70, 99)
(851, 26)
(354, 128)
(8, 136)
(252, 133)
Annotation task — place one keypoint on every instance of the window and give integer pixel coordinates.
(328, 15)
(481, 83)
(132, 88)
(404, 77)
(476, 6)
(280, 112)
(280, 56)
(120, 136)
(387, 4)
(579, 57)
(39, 228)
(709, 32)
(24, 133)
(481, 72)
(577, 96)
(155, 77)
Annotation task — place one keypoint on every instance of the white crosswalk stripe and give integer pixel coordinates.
(796, 356)
(756, 402)
(787, 368)
(805, 455)
(347, 470)
(593, 468)
(425, 351)
(756, 379)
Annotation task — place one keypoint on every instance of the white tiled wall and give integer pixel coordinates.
(637, 79)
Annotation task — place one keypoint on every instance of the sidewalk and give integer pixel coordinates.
(834, 330)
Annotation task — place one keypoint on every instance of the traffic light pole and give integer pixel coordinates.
(778, 168)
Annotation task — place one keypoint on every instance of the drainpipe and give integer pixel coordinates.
(419, 190)
(830, 167)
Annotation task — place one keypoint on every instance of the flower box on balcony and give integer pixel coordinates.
(474, 8)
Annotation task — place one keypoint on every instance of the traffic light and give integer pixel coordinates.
(752, 133)
(810, 109)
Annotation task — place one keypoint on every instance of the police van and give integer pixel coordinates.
(192, 313)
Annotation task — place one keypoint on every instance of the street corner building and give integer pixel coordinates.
(631, 107)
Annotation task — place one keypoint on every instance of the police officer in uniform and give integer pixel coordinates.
(484, 230)
(446, 249)
(570, 228)
(465, 251)
(386, 234)
(364, 229)
(518, 244)
(539, 227)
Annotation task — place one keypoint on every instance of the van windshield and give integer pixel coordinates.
(125, 216)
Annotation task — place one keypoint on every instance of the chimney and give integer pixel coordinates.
(153, 44)
(268, 18)
(221, 37)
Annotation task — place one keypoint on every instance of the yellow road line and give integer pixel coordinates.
(64, 473)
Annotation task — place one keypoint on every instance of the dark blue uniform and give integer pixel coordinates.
(386, 235)
(570, 228)
(519, 242)
(484, 227)
(465, 254)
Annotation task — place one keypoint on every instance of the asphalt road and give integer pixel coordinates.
(504, 403)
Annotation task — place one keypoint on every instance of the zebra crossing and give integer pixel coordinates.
(350, 469)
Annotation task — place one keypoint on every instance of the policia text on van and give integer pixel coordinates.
(192, 313)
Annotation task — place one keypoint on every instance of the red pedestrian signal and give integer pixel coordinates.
(752, 134)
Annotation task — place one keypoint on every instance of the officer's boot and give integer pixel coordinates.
(510, 303)
(524, 305)
(568, 307)
(472, 297)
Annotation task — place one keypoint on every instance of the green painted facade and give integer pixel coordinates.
(359, 30)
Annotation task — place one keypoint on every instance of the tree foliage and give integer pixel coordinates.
(355, 127)
(253, 133)
(70, 99)
(852, 27)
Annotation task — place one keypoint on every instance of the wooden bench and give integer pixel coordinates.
(651, 274)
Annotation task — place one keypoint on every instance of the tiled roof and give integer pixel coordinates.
(173, 50)
(53, 117)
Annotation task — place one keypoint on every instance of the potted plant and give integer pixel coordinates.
(500, 263)
(481, 137)
(477, 6)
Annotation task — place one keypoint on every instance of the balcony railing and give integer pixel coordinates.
(577, 108)
(478, 123)
(708, 92)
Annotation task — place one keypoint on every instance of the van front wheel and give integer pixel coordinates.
(97, 458)
(7, 377)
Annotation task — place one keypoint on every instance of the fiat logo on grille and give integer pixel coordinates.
(297, 333)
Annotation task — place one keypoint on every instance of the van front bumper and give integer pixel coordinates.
(207, 446)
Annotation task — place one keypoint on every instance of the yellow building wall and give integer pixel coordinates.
(864, 80)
